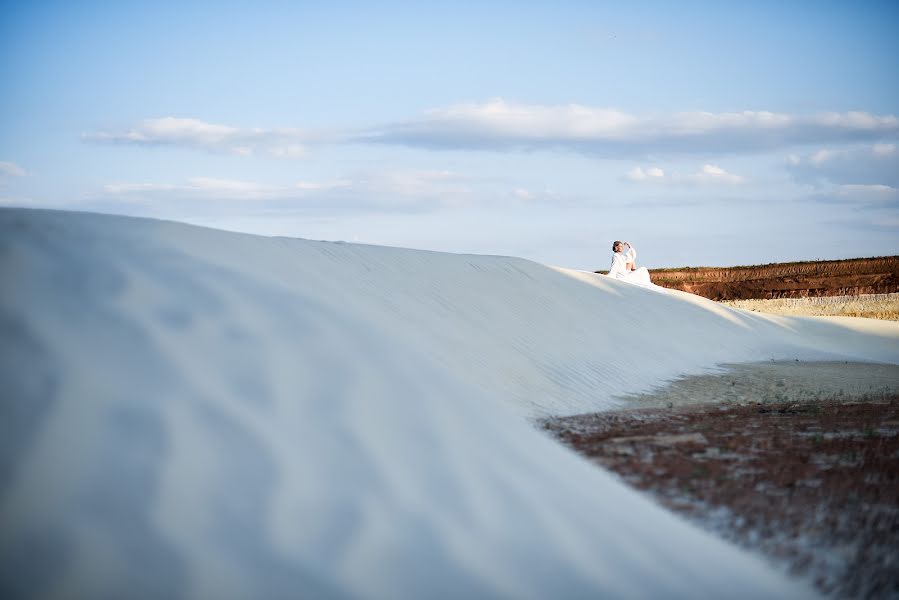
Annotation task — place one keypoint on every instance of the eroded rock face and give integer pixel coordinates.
(786, 280)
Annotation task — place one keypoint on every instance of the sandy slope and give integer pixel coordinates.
(202, 413)
(871, 306)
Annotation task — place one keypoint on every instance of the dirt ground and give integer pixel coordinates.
(811, 483)
(786, 280)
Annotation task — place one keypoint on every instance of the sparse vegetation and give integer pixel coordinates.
(850, 266)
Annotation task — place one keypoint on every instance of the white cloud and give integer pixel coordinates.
(27, 202)
(128, 188)
(194, 133)
(291, 151)
(501, 125)
(498, 124)
(323, 185)
(11, 169)
(707, 174)
(883, 149)
(821, 156)
(868, 190)
(650, 174)
(203, 187)
(715, 174)
(534, 196)
(421, 182)
(873, 197)
(397, 190)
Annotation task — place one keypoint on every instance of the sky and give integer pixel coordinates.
(705, 133)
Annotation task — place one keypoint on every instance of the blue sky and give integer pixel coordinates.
(711, 133)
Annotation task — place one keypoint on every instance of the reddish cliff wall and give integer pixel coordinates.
(786, 280)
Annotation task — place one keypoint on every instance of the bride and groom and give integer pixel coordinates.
(624, 265)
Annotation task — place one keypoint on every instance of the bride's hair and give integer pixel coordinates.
(615, 245)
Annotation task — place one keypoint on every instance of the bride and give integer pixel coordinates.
(624, 265)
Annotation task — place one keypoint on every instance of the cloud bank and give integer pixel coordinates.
(501, 125)
(862, 176)
(194, 133)
(202, 187)
(876, 164)
(875, 197)
(391, 191)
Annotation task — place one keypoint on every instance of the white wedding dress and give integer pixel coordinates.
(637, 277)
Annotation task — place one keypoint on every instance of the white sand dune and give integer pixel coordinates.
(190, 412)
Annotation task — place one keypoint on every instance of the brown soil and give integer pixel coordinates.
(786, 280)
(813, 484)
